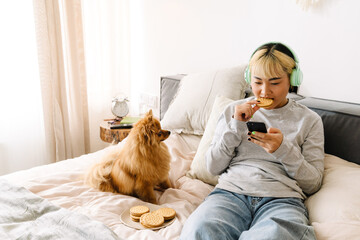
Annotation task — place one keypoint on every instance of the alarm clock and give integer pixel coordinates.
(119, 106)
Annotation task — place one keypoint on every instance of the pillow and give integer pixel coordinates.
(337, 203)
(198, 168)
(190, 109)
(337, 230)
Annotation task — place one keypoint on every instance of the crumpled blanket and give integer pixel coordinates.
(24, 215)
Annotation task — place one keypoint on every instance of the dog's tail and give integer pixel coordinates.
(99, 175)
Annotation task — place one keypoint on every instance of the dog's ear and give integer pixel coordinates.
(149, 115)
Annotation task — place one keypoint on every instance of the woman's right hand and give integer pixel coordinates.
(244, 112)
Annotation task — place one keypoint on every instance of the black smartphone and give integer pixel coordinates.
(256, 126)
(121, 126)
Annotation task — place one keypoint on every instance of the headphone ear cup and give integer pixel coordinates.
(247, 75)
(296, 77)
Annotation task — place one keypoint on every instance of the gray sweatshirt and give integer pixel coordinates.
(293, 170)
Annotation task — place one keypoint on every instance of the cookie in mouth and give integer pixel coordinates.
(265, 102)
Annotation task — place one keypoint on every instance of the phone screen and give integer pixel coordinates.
(256, 126)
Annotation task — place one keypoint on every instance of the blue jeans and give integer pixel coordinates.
(228, 215)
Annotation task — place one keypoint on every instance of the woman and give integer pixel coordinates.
(264, 177)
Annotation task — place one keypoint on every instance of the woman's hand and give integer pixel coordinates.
(245, 111)
(270, 141)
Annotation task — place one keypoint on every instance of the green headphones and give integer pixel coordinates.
(296, 74)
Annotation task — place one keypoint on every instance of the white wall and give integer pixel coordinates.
(185, 36)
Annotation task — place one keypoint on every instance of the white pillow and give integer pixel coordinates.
(337, 203)
(198, 165)
(337, 230)
(190, 109)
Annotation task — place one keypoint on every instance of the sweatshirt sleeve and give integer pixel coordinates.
(308, 168)
(228, 135)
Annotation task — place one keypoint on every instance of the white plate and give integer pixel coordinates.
(126, 219)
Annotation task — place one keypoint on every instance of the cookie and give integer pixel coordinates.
(265, 102)
(137, 211)
(135, 219)
(167, 213)
(151, 220)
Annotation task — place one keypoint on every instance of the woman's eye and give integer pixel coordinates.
(274, 83)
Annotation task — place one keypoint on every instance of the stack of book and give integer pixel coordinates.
(126, 122)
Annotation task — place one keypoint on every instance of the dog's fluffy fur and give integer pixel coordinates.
(142, 164)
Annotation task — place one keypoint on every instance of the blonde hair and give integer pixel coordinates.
(269, 63)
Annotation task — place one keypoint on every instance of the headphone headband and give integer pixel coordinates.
(279, 47)
(296, 75)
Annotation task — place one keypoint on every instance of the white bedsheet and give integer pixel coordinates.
(62, 184)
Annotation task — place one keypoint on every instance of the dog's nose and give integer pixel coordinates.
(167, 133)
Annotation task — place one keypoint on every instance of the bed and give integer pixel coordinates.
(52, 202)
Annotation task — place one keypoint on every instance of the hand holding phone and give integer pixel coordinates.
(269, 140)
(256, 126)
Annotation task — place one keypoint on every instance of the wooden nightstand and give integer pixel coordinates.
(113, 136)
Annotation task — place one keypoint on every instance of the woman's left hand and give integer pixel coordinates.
(270, 141)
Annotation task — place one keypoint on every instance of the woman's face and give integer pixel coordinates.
(275, 88)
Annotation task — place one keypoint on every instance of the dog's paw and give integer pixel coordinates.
(151, 200)
(166, 184)
(158, 188)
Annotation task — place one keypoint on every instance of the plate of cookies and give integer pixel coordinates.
(148, 216)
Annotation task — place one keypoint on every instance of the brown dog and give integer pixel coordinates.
(142, 163)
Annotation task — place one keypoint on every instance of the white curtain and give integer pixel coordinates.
(82, 52)
(107, 54)
(60, 41)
